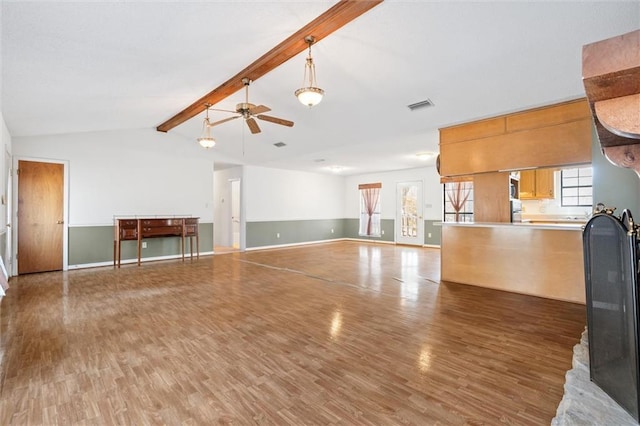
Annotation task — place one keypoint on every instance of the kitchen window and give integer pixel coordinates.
(458, 201)
(576, 187)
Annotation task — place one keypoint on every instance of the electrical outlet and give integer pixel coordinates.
(429, 235)
(383, 232)
(277, 235)
(332, 230)
(144, 244)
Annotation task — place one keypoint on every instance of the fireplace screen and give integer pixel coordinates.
(610, 254)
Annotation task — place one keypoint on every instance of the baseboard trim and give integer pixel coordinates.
(130, 261)
(293, 244)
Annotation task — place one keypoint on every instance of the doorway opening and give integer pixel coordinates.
(230, 224)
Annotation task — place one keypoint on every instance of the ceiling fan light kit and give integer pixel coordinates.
(206, 140)
(310, 95)
(250, 112)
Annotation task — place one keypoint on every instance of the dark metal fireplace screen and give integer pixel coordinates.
(611, 272)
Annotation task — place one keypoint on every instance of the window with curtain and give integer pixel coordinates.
(458, 201)
(370, 209)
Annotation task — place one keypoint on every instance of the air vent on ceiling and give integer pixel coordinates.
(422, 104)
(279, 144)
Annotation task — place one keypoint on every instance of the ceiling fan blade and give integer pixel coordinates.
(259, 109)
(253, 125)
(215, 123)
(275, 120)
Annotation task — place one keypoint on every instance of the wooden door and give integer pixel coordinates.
(40, 216)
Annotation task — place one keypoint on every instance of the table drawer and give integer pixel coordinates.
(191, 230)
(160, 231)
(128, 233)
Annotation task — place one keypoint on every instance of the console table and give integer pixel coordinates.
(138, 229)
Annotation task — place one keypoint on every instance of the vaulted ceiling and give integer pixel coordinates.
(87, 66)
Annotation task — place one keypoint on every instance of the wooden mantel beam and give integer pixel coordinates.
(611, 77)
(334, 18)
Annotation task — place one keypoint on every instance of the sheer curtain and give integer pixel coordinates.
(458, 193)
(370, 194)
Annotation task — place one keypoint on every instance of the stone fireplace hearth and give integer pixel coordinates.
(584, 403)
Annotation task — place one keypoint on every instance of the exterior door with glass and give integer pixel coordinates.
(409, 219)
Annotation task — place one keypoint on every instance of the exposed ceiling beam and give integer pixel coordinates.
(334, 18)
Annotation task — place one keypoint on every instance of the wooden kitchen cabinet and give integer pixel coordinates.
(537, 184)
(556, 135)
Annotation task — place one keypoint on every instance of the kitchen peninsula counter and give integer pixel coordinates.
(540, 259)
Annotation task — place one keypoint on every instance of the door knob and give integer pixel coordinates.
(60, 222)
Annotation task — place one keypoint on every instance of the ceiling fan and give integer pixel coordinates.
(249, 111)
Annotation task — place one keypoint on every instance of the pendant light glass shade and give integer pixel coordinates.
(310, 95)
(206, 140)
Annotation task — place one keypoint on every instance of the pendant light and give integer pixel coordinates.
(206, 140)
(310, 95)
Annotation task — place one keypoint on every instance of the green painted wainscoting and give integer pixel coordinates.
(263, 234)
(352, 227)
(434, 228)
(90, 245)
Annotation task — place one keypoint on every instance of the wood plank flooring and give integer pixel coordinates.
(343, 333)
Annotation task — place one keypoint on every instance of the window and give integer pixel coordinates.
(370, 209)
(576, 187)
(458, 201)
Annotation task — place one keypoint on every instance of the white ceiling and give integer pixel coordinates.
(86, 66)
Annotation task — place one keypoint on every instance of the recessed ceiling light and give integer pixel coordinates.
(336, 169)
(279, 144)
(319, 160)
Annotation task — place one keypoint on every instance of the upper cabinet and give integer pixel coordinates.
(537, 184)
(557, 135)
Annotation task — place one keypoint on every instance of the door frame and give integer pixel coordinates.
(233, 201)
(419, 239)
(9, 207)
(65, 209)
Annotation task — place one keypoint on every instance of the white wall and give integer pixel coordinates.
(128, 172)
(6, 142)
(431, 186)
(275, 194)
(5, 166)
(222, 205)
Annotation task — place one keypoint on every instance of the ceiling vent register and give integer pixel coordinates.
(422, 104)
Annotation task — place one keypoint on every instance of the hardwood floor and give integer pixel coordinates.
(341, 333)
